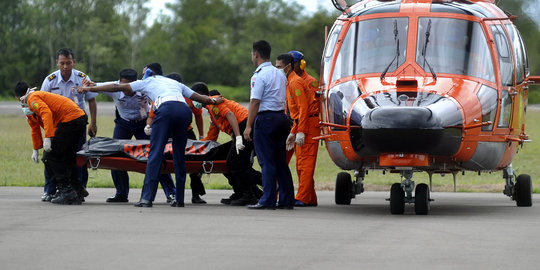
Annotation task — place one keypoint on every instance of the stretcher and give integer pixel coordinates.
(132, 155)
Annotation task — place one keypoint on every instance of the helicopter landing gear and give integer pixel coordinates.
(401, 193)
(519, 190)
(344, 188)
(347, 189)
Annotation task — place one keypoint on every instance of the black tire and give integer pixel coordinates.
(421, 199)
(397, 199)
(343, 188)
(523, 191)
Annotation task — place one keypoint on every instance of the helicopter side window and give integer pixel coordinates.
(506, 110)
(518, 52)
(504, 54)
(488, 100)
(345, 59)
(328, 52)
(453, 46)
(340, 99)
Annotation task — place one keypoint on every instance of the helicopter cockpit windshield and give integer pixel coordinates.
(453, 46)
(371, 46)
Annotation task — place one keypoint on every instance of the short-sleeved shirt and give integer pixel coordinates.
(268, 85)
(129, 108)
(159, 86)
(54, 83)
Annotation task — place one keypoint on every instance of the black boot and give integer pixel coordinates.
(67, 196)
(246, 199)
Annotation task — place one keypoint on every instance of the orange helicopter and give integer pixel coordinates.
(436, 86)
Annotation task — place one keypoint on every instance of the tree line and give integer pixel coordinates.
(204, 40)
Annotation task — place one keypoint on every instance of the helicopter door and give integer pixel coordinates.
(506, 67)
(521, 89)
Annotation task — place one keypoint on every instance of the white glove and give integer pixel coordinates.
(239, 144)
(47, 145)
(300, 139)
(289, 145)
(147, 130)
(35, 156)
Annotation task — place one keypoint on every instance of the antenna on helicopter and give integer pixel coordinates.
(340, 5)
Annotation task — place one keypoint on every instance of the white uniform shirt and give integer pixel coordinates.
(54, 83)
(268, 84)
(159, 86)
(129, 108)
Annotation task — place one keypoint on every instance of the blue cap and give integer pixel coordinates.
(297, 56)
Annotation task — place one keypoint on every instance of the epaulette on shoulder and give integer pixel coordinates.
(52, 77)
(82, 75)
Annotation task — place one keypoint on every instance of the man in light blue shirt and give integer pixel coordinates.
(62, 82)
(173, 117)
(131, 114)
(270, 127)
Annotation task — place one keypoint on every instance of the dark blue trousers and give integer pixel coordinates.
(82, 172)
(172, 120)
(126, 130)
(269, 135)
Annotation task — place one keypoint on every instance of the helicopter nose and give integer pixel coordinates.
(401, 118)
(402, 129)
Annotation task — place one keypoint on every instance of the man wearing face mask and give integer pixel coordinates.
(64, 123)
(304, 111)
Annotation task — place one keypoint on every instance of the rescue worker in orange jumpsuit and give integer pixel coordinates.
(304, 111)
(299, 69)
(231, 117)
(64, 124)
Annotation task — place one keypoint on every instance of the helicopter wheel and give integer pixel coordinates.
(397, 199)
(523, 190)
(343, 188)
(421, 199)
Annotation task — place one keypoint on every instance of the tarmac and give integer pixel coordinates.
(463, 231)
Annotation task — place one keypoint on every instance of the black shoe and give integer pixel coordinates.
(82, 192)
(170, 198)
(257, 192)
(247, 199)
(116, 198)
(287, 207)
(177, 204)
(234, 196)
(143, 203)
(66, 196)
(47, 197)
(259, 206)
(196, 199)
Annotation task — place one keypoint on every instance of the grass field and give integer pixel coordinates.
(18, 169)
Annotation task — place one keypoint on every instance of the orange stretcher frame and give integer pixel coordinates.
(131, 165)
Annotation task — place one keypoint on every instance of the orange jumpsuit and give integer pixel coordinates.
(219, 120)
(49, 111)
(311, 83)
(305, 111)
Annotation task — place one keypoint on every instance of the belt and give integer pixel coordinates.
(311, 115)
(134, 121)
(265, 112)
(161, 100)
